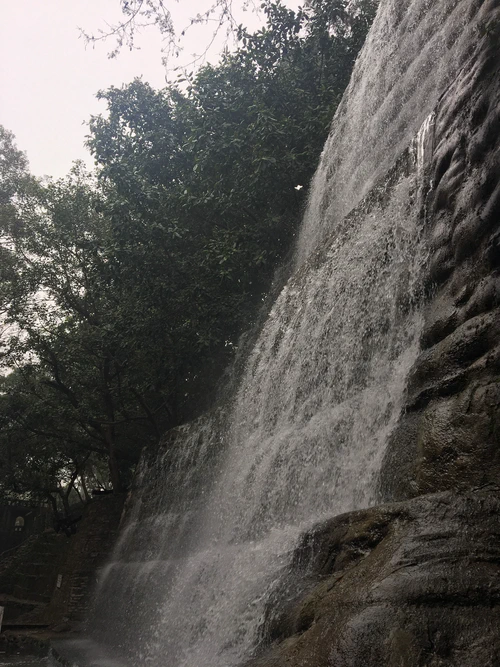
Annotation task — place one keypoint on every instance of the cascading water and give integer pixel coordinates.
(217, 515)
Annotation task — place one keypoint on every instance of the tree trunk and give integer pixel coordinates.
(80, 497)
(84, 488)
(65, 502)
(114, 470)
(53, 503)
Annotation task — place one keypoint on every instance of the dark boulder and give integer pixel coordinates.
(407, 584)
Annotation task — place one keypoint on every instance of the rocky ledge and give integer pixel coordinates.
(405, 584)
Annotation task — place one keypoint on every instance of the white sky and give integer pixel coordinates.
(49, 77)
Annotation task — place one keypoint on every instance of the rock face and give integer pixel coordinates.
(450, 433)
(416, 581)
(406, 584)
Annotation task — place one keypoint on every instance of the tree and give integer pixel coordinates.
(205, 175)
(142, 14)
(123, 296)
(39, 457)
(68, 335)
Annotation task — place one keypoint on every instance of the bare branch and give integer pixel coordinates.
(139, 15)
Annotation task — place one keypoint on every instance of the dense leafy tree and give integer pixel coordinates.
(205, 175)
(123, 295)
(39, 457)
(69, 337)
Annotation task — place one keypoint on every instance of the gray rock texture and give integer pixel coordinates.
(417, 581)
(450, 433)
(401, 585)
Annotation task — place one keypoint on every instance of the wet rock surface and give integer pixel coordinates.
(450, 433)
(410, 583)
(416, 582)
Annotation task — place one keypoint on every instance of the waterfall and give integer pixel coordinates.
(217, 513)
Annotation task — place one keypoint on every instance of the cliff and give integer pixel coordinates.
(415, 581)
(374, 383)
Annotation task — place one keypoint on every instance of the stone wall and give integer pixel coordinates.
(34, 519)
(88, 551)
(30, 573)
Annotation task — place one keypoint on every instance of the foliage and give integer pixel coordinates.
(204, 175)
(123, 296)
(73, 358)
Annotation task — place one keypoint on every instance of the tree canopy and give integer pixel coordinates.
(123, 292)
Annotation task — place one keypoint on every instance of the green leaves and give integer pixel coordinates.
(125, 294)
(201, 182)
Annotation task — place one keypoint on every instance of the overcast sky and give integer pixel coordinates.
(49, 77)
